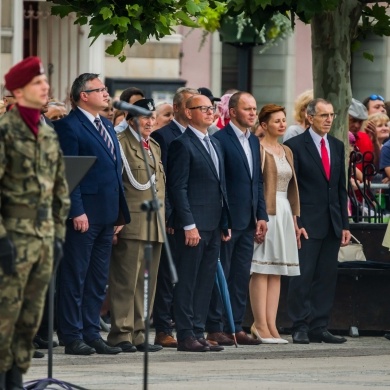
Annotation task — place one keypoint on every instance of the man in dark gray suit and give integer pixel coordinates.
(197, 192)
(162, 309)
(319, 161)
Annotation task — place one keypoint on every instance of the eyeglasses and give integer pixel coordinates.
(376, 97)
(204, 109)
(326, 116)
(96, 90)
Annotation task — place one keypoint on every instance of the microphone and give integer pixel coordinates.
(132, 109)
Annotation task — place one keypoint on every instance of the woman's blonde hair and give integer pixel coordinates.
(377, 117)
(300, 105)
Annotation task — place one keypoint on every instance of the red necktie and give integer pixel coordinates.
(145, 144)
(325, 159)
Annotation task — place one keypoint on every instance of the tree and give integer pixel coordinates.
(336, 25)
(132, 21)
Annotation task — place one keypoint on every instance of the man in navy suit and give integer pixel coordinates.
(197, 192)
(98, 204)
(319, 161)
(162, 317)
(244, 183)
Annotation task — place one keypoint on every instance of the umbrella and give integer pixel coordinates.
(220, 280)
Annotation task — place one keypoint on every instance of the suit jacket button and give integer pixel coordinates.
(139, 166)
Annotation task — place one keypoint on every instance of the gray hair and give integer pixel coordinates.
(312, 105)
(178, 98)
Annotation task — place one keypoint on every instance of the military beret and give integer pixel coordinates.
(147, 104)
(23, 72)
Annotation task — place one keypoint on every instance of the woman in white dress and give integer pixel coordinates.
(278, 253)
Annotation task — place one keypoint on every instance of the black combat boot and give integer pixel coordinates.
(14, 380)
(2, 380)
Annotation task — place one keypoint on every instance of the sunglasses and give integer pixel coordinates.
(376, 97)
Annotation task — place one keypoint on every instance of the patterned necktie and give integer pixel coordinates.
(212, 153)
(105, 136)
(325, 159)
(145, 144)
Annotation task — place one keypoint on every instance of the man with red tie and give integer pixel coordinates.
(319, 161)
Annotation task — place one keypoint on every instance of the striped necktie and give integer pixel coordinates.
(105, 136)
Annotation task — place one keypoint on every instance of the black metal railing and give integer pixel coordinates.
(365, 207)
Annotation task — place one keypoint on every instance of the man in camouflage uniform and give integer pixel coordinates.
(34, 204)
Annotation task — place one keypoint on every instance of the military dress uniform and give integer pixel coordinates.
(34, 204)
(126, 280)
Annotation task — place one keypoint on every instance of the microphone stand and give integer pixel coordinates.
(150, 207)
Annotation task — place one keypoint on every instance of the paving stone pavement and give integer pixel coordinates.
(360, 363)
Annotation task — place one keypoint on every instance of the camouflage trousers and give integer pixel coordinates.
(22, 298)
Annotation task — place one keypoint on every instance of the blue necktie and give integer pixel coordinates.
(105, 136)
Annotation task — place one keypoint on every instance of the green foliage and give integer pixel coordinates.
(142, 20)
(135, 22)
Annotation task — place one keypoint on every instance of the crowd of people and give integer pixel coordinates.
(264, 209)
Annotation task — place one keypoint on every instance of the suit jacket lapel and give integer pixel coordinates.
(313, 151)
(93, 130)
(175, 129)
(239, 147)
(197, 142)
(136, 146)
(333, 155)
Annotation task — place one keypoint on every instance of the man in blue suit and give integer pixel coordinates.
(197, 192)
(162, 316)
(98, 204)
(244, 184)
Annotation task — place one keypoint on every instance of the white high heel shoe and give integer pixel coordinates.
(255, 335)
(279, 340)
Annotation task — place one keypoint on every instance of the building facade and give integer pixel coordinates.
(160, 67)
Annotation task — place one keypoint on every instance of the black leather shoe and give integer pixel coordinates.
(213, 345)
(387, 335)
(103, 348)
(151, 347)
(14, 379)
(300, 337)
(78, 347)
(42, 343)
(38, 355)
(126, 346)
(191, 344)
(324, 336)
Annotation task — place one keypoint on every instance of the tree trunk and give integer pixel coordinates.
(332, 34)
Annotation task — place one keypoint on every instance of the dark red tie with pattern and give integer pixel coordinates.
(325, 159)
(105, 136)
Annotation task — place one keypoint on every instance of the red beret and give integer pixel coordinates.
(23, 72)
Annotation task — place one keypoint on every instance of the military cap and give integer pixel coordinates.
(23, 72)
(147, 104)
(209, 94)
